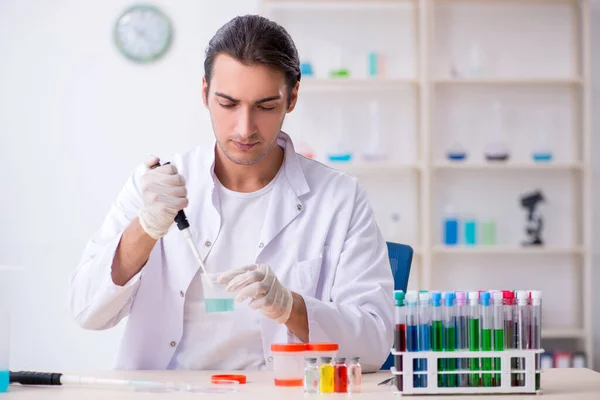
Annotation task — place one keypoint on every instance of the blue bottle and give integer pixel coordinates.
(450, 227)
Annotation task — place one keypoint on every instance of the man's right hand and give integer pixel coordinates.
(164, 194)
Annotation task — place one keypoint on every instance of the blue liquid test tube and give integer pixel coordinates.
(424, 332)
(412, 321)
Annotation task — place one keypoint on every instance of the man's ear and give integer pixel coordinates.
(293, 97)
(205, 91)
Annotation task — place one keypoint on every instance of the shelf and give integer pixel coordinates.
(506, 250)
(563, 333)
(372, 168)
(310, 84)
(576, 166)
(351, 5)
(510, 82)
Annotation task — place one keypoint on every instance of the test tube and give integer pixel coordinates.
(412, 322)
(536, 331)
(462, 335)
(474, 325)
(498, 334)
(510, 338)
(424, 333)
(437, 331)
(522, 329)
(400, 335)
(487, 325)
(449, 364)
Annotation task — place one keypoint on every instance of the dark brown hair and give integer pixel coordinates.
(252, 40)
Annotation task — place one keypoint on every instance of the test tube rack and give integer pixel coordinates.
(506, 372)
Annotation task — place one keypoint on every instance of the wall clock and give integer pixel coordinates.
(143, 33)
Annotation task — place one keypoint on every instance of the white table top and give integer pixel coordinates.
(570, 384)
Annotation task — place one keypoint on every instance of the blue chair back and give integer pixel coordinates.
(401, 256)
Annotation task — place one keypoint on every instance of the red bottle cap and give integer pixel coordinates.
(289, 347)
(323, 347)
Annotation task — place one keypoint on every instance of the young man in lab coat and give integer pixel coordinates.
(296, 241)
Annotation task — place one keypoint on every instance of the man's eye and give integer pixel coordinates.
(267, 108)
(229, 105)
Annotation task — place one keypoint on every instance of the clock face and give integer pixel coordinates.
(143, 33)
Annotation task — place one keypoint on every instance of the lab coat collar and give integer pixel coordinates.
(291, 165)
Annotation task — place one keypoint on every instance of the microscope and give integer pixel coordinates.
(535, 222)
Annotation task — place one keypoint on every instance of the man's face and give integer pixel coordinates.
(247, 106)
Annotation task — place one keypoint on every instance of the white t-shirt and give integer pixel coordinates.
(229, 340)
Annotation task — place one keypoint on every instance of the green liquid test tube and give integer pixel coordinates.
(474, 315)
(487, 322)
(437, 331)
(449, 364)
(498, 334)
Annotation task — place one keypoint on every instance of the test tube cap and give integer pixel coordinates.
(536, 294)
(354, 360)
(424, 296)
(340, 359)
(436, 298)
(485, 298)
(497, 296)
(461, 298)
(449, 298)
(326, 359)
(310, 360)
(411, 297)
(473, 295)
(399, 297)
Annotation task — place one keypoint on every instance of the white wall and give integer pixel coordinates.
(75, 118)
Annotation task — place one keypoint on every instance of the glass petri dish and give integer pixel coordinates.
(157, 387)
(220, 387)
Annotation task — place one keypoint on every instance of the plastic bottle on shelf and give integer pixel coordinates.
(450, 226)
(542, 151)
(497, 149)
(488, 232)
(376, 149)
(339, 149)
(470, 230)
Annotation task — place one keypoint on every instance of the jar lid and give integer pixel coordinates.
(323, 347)
(226, 379)
(289, 347)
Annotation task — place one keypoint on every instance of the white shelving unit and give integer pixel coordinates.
(430, 53)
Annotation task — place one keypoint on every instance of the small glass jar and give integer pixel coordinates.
(311, 375)
(326, 375)
(354, 375)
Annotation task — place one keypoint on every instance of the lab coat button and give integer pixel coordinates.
(173, 343)
(181, 293)
(299, 207)
(261, 245)
(270, 359)
(207, 243)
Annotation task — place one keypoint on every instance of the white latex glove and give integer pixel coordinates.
(259, 283)
(164, 194)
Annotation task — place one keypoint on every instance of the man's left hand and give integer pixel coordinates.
(259, 283)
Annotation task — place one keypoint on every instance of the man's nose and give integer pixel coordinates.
(245, 126)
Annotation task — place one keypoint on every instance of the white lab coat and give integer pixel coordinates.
(319, 236)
